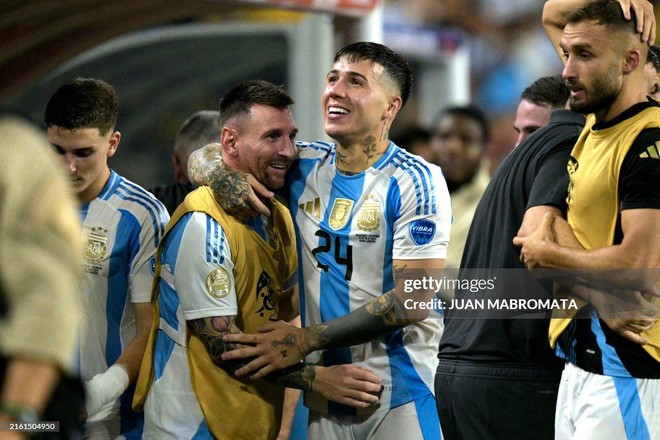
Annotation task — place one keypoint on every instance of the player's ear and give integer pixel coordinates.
(229, 139)
(632, 60)
(115, 137)
(393, 107)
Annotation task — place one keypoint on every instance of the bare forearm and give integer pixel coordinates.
(131, 357)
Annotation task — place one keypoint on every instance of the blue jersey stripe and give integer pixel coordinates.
(392, 213)
(414, 166)
(406, 383)
(400, 161)
(162, 352)
(110, 187)
(612, 365)
(631, 408)
(168, 300)
(215, 241)
(427, 179)
(153, 207)
(117, 288)
(427, 416)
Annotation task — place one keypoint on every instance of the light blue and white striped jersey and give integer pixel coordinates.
(350, 229)
(194, 248)
(122, 228)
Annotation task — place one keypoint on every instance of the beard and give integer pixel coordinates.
(601, 96)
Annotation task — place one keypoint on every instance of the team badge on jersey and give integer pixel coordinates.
(341, 212)
(422, 231)
(218, 283)
(95, 248)
(369, 214)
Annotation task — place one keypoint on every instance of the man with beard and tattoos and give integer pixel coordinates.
(217, 274)
(367, 214)
(610, 387)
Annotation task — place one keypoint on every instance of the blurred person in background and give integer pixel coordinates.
(199, 129)
(537, 102)
(651, 73)
(459, 140)
(416, 140)
(122, 226)
(40, 271)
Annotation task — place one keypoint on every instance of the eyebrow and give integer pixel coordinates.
(349, 73)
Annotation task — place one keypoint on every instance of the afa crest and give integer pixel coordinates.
(341, 212)
(218, 283)
(96, 248)
(369, 214)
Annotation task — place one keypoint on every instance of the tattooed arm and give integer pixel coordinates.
(280, 345)
(349, 385)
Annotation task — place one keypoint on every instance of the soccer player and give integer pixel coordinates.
(610, 386)
(122, 226)
(367, 214)
(220, 275)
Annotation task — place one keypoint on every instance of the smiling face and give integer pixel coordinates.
(85, 154)
(593, 70)
(359, 101)
(262, 144)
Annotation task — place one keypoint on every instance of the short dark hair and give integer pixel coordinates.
(83, 103)
(468, 111)
(239, 99)
(199, 129)
(653, 57)
(395, 65)
(604, 12)
(548, 90)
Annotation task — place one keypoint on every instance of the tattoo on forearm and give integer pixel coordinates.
(230, 188)
(299, 376)
(390, 309)
(211, 331)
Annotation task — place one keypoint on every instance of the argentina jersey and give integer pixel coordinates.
(350, 229)
(194, 248)
(121, 228)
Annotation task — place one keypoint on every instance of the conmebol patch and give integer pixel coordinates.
(422, 231)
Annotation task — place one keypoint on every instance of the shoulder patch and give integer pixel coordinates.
(218, 283)
(422, 231)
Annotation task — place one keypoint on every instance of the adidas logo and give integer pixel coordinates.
(312, 207)
(651, 152)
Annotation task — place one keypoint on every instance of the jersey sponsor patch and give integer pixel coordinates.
(218, 283)
(422, 231)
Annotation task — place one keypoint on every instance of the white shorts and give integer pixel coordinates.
(595, 407)
(416, 420)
